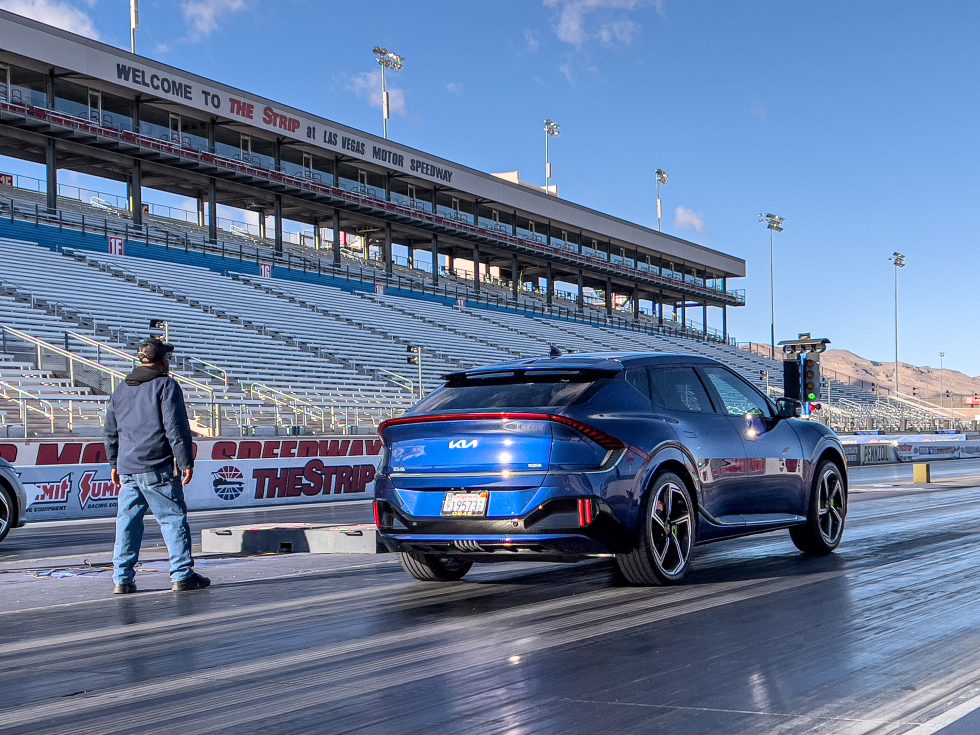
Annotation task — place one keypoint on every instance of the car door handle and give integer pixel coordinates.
(691, 434)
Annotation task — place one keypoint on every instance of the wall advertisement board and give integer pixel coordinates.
(71, 479)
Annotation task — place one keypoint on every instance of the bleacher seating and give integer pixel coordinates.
(303, 345)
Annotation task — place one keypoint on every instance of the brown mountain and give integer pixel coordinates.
(928, 381)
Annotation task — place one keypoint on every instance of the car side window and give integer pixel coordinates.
(679, 389)
(737, 397)
(638, 378)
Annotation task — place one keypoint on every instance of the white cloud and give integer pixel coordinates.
(621, 32)
(573, 24)
(455, 88)
(55, 13)
(531, 43)
(565, 68)
(161, 49)
(367, 86)
(688, 219)
(204, 17)
(758, 110)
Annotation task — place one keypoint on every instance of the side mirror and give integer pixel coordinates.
(788, 408)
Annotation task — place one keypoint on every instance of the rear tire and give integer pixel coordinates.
(665, 535)
(6, 512)
(826, 514)
(432, 568)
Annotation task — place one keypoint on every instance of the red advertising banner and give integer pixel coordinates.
(71, 479)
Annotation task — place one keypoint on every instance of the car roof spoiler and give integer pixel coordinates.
(541, 365)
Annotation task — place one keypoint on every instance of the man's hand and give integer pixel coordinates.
(188, 474)
(115, 477)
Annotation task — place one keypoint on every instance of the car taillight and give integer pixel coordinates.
(601, 438)
(377, 514)
(585, 512)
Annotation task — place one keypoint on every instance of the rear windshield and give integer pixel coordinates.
(509, 391)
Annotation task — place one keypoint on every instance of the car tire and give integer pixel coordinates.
(7, 512)
(827, 512)
(432, 568)
(665, 535)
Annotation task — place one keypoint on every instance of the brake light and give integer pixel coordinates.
(377, 514)
(585, 512)
(601, 438)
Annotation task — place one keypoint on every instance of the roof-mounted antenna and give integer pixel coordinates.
(554, 352)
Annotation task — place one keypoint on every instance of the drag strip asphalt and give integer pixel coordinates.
(878, 638)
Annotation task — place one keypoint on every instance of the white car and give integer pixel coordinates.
(13, 500)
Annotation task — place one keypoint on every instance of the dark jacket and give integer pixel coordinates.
(146, 427)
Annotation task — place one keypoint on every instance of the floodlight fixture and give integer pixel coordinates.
(662, 177)
(552, 128)
(389, 59)
(772, 221)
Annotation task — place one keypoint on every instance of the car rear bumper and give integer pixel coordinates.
(486, 547)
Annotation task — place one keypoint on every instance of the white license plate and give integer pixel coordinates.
(465, 504)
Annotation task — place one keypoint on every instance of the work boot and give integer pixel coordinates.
(124, 589)
(193, 581)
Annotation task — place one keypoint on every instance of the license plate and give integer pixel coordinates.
(465, 504)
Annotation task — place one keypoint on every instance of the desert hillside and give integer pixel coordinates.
(926, 379)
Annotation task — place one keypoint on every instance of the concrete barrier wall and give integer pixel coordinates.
(904, 449)
(71, 479)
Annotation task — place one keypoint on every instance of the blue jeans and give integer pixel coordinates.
(162, 494)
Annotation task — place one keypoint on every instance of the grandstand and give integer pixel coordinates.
(305, 332)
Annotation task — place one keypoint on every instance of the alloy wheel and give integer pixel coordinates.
(831, 505)
(670, 527)
(6, 513)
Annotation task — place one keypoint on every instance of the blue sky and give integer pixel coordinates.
(856, 121)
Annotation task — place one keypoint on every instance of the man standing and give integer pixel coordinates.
(147, 433)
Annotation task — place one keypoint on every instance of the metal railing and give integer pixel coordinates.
(302, 410)
(208, 368)
(28, 403)
(400, 380)
(182, 380)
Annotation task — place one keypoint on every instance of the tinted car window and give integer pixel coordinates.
(637, 377)
(523, 390)
(737, 397)
(679, 389)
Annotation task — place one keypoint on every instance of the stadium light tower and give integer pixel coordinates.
(134, 23)
(899, 260)
(387, 60)
(942, 393)
(662, 178)
(551, 130)
(774, 223)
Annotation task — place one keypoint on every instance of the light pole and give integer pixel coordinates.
(774, 223)
(551, 130)
(899, 260)
(662, 178)
(387, 60)
(134, 23)
(942, 393)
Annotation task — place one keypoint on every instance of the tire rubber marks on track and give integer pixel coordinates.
(392, 669)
